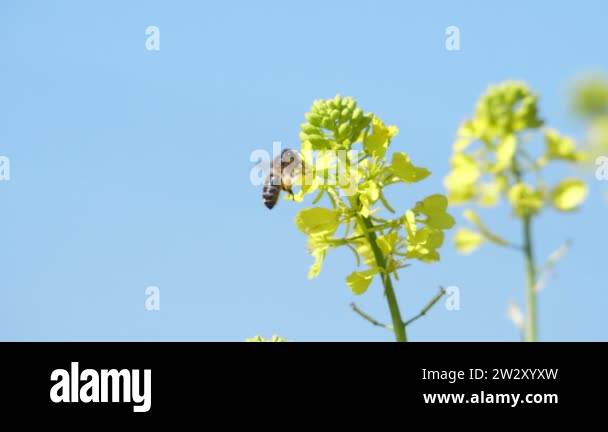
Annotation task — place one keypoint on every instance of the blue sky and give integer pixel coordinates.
(130, 168)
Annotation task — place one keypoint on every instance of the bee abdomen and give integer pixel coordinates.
(270, 193)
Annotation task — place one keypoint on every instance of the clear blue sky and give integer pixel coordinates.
(131, 168)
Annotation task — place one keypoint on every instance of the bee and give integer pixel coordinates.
(283, 173)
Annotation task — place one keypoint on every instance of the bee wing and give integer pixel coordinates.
(291, 163)
(274, 176)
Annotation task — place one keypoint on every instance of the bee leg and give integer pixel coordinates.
(290, 193)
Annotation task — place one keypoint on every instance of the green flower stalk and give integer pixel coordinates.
(493, 159)
(345, 157)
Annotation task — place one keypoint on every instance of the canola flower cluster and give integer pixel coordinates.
(493, 159)
(335, 130)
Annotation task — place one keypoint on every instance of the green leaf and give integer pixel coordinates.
(364, 250)
(318, 246)
(466, 240)
(569, 194)
(424, 244)
(434, 207)
(318, 221)
(504, 153)
(359, 282)
(435, 238)
(403, 168)
(369, 191)
(317, 266)
(388, 243)
(376, 143)
(410, 223)
(460, 182)
(559, 147)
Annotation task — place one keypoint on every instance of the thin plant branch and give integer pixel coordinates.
(548, 269)
(355, 253)
(369, 318)
(428, 307)
(385, 202)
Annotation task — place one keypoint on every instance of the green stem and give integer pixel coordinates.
(369, 318)
(532, 321)
(531, 330)
(368, 228)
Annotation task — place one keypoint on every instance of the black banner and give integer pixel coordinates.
(151, 380)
